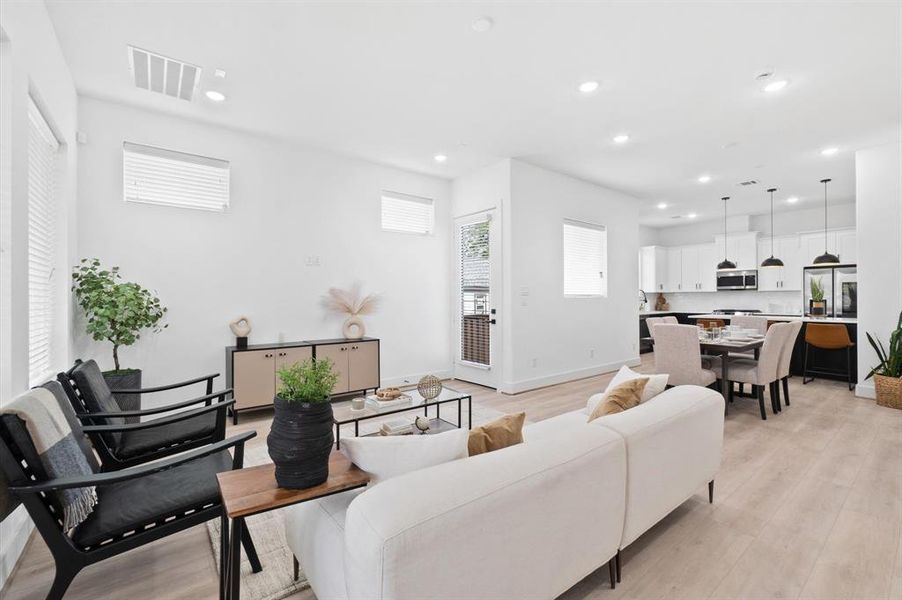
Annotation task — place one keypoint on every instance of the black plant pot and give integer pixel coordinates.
(300, 442)
(126, 379)
(817, 308)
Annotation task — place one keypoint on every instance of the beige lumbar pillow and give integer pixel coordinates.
(656, 384)
(500, 433)
(621, 398)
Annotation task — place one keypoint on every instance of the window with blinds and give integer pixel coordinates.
(156, 176)
(43, 149)
(475, 332)
(585, 259)
(408, 214)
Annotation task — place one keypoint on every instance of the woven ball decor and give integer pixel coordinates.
(429, 387)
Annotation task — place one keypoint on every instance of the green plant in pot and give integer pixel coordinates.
(117, 312)
(301, 438)
(888, 372)
(817, 306)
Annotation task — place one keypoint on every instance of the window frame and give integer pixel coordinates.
(188, 158)
(400, 196)
(603, 230)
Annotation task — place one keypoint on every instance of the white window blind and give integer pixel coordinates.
(169, 178)
(43, 148)
(411, 214)
(585, 259)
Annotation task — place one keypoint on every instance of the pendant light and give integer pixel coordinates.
(826, 258)
(772, 262)
(725, 264)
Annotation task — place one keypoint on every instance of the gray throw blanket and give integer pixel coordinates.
(60, 454)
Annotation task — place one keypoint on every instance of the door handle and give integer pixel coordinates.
(491, 321)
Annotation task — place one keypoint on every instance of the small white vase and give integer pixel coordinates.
(353, 328)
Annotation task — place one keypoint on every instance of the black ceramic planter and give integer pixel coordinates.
(129, 379)
(300, 442)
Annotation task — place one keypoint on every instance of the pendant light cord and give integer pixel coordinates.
(825, 182)
(724, 228)
(772, 223)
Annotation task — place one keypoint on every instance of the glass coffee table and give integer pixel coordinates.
(343, 414)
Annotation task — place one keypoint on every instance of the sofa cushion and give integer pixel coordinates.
(542, 429)
(621, 398)
(384, 457)
(656, 384)
(123, 506)
(502, 432)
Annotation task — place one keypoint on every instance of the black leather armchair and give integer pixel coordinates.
(120, 444)
(136, 505)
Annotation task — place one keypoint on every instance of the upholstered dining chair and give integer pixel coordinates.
(763, 371)
(677, 353)
(135, 506)
(651, 322)
(786, 360)
(750, 322)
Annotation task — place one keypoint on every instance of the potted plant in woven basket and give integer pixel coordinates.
(888, 373)
(817, 306)
(116, 312)
(300, 439)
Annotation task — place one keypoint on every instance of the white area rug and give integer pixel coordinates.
(276, 579)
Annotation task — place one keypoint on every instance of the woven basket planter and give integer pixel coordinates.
(889, 391)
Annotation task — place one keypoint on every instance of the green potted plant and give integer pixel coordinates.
(817, 306)
(301, 438)
(888, 372)
(116, 312)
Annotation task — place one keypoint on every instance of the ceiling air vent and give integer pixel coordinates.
(749, 182)
(157, 73)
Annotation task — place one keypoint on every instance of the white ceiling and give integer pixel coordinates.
(398, 82)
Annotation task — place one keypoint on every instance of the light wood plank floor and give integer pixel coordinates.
(808, 504)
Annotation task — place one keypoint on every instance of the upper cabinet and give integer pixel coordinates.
(652, 268)
(742, 248)
(679, 269)
(785, 278)
(842, 242)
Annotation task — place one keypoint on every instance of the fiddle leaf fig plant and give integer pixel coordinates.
(116, 311)
(307, 381)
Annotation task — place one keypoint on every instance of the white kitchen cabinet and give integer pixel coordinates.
(689, 269)
(785, 278)
(742, 249)
(842, 242)
(707, 268)
(652, 268)
(847, 246)
(674, 275)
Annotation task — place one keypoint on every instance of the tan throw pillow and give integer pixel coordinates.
(623, 397)
(500, 433)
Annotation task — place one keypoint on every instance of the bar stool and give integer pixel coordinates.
(828, 337)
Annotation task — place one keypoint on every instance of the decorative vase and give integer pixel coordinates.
(889, 391)
(817, 308)
(125, 379)
(430, 387)
(300, 442)
(353, 328)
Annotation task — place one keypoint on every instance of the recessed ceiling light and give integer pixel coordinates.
(215, 96)
(621, 139)
(692, 215)
(829, 151)
(219, 73)
(482, 24)
(587, 87)
(662, 205)
(440, 158)
(704, 178)
(792, 199)
(776, 86)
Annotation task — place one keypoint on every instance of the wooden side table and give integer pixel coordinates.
(251, 491)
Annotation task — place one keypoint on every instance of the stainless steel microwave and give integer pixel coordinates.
(737, 280)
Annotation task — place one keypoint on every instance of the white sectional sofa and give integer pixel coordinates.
(527, 521)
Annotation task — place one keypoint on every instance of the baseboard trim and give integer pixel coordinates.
(17, 530)
(526, 385)
(866, 390)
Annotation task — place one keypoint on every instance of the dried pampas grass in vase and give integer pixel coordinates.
(353, 304)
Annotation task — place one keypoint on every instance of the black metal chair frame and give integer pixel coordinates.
(848, 373)
(68, 557)
(95, 421)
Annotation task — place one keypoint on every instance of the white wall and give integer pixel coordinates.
(287, 203)
(31, 63)
(555, 338)
(785, 223)
(878, 174)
